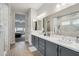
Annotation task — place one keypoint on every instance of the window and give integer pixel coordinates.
(19, 29)
(75, 21)
(65, 23)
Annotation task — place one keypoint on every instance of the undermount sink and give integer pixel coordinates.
(67, 40)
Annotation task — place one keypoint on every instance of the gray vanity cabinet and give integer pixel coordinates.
(33, 40)
(51, 49)
(67, 52)
(41, 46)
(47, 48)
(36, 42)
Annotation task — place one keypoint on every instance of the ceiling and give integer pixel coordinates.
(25, 6)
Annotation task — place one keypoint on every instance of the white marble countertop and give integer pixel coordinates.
(65, 41)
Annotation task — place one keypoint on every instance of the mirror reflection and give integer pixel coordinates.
(69, 24)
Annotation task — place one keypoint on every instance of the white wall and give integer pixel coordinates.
(12, 27)
(28, 25)
(30, 15)
(5, 17)
(2, 39)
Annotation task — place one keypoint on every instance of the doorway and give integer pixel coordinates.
(19, 27)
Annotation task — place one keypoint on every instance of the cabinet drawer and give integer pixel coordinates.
(41, 42)
(42, 47)
(67, 52)
(51, 49)
(42, 51)
(36, 42)
(33, 40)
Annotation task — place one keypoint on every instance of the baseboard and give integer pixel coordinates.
(5, 53)
(11, 45)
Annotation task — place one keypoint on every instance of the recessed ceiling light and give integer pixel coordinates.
(41, 16)
(58, 5)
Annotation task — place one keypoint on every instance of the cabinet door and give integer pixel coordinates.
(51, 49)
(41, 46)
(42, 51)
(36, 42)
(67, 52)
(33, 40)
(41, 42)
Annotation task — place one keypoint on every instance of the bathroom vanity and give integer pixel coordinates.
(60, 35)
(54, 47)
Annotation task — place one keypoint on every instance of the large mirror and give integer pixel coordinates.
(39, 25)
(46, 26)
(69, 24)
(35, 25)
